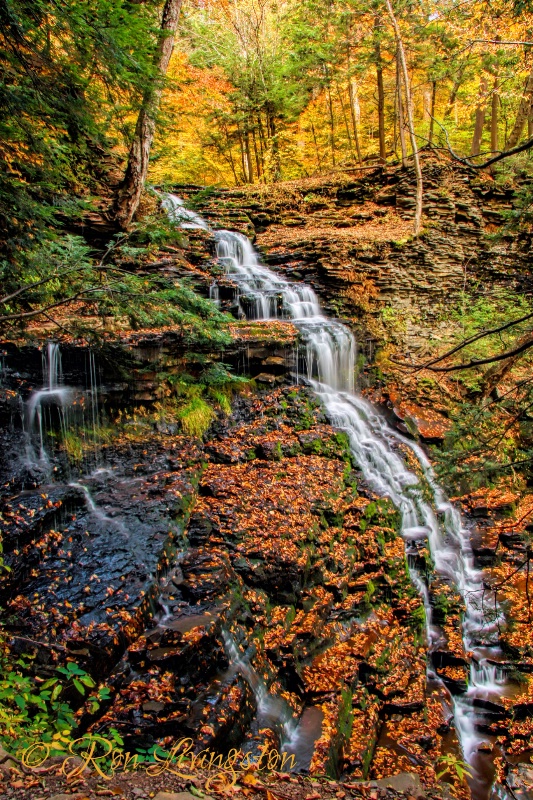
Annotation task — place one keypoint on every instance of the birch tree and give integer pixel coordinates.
(409, 118)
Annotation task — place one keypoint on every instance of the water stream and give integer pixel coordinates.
(328, 361)
(53, 395)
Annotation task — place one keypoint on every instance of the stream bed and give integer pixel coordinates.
(204, 626)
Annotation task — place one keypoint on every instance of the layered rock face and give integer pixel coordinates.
(350, 237)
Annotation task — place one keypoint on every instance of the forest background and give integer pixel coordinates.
(99, 96)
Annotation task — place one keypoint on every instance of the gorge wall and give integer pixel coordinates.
(350, 238)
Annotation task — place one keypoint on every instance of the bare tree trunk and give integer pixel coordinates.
(410, 120)
(381, 92)
(481, 112)
(346, 125)
(331, 120)
(275, 148)
(130, 190)
(401, 115)
(494, 116)
(319, 160)
(256, 153)
(230, 154)
(354, 105)
(524, 112)
(243, 156)
(249, 162)
(432, 111)
(453, 94)
(262, 142)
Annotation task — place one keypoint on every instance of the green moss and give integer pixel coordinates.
(196, 417)
(73, 446)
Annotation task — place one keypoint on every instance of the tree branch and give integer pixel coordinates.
(527, 145)
(480, 361)
(99, 266)
(465, 343)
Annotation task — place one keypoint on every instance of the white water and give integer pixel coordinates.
(182, 216)
(330, 352)
(272, 710)
(53, 393)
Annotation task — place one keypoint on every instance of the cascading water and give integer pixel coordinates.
(184, 217)
(52, 395)
(272, 711)
(330, 352)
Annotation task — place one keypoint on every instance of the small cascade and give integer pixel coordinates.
(272, 711)
(41, 405)
(184, 217)
(329, 355)
(214, 293)
(56, 408)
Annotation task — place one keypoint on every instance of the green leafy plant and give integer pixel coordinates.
(33, 709)
(453, 764)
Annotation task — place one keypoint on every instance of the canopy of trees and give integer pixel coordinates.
(263, 89)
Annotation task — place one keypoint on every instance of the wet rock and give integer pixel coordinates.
(520, 781)
(178, 796)
(405, 782)
(267, 378)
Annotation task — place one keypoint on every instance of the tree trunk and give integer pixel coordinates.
(130, 190)
(346, 124)
(243, 156)
(353, 111)
(401, 115)
(481, 111)
(256, 153)
(354, 103)
(275, 148)
(381, 92)
(249, 162)
(432, 111)
(523, 114)
(494, 116)
(331, 120)
(410, 120)
(453, 94)
(318, 159)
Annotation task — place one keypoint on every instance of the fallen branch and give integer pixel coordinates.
(465, 343)
(527, 145)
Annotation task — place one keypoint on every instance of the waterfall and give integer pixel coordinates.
(56, 407)
(182, 216)
(41, 403)
(329, 355)
(272, 711)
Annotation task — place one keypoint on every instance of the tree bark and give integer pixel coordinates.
(401, 115)
(432, 111)
(494, 116)
(249, 162)
(453, 94)
(345, 118)
(354, 105)
(353, 111)
(410, 120)
(523, 114)
(481, 112)
(318, 159)
(331, 120)
(381, 92)
(130, 190)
